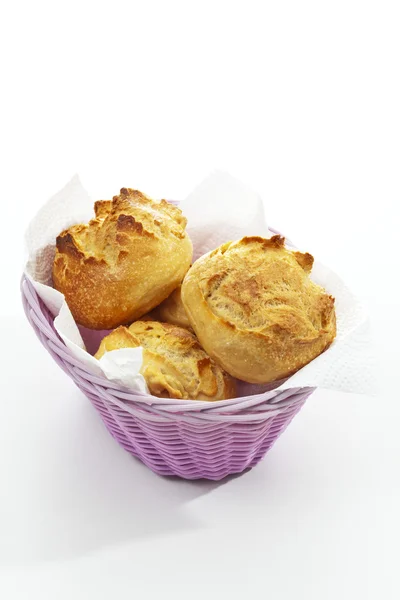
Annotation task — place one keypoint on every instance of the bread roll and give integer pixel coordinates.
(174, 364)
(124, 262)
(171, 311)
(255, 310)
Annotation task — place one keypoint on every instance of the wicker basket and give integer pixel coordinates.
(190, 439)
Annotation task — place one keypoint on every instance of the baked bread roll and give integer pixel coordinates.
(124, 262)
(174, 363)
(171, 311)
(255, 310)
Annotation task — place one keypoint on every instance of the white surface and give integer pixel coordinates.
(300, 101)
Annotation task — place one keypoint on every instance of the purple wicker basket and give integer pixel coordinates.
(190, 439)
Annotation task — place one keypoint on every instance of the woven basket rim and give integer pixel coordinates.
(275, 400)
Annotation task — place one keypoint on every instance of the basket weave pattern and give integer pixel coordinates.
(175, 437)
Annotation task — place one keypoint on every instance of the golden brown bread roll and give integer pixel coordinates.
(255, 310)
(171, 311)
(124, 262)
(174, 363)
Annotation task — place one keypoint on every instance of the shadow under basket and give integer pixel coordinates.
(190, 439)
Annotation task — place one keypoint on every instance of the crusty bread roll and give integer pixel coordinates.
(124, 262)
(171, 311)
(255, 310)
(174, 363)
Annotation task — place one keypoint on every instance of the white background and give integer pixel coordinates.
(300, 100)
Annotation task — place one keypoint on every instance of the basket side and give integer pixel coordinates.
(188, 439)
(173, 446)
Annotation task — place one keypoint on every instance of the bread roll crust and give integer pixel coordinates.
(124, 262)
(255, 310)
(171, 310)
(174, 363)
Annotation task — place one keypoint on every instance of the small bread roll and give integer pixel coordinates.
(171, 311)
(255, 309)
(124, 262)
(174, 363)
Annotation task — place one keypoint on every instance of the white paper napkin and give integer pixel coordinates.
(220, 209)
